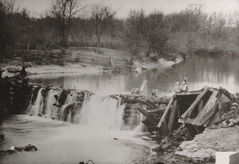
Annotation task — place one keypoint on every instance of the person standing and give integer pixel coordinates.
(143, 88)
(184, 85)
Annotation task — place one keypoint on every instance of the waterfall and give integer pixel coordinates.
(67, 111)
(36, 105)
(57, 104)
(140, 127)
(102, 112)
(79, 107)
(51, 101)
(108, 113)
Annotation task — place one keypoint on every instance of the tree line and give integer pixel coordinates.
(152, 35)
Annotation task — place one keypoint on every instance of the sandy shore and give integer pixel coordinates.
(80, 69)
(88, 60)
(67, 69)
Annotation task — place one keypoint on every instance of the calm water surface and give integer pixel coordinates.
(201, 71)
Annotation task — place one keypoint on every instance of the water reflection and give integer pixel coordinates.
(201, 71)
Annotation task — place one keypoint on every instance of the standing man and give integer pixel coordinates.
(143, 88)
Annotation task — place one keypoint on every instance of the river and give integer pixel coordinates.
(201, 71)
(98, 135)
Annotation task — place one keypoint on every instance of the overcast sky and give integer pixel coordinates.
(39, 7)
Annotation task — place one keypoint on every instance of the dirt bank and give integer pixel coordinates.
(202, 149)
(204, 146)
(84, 60)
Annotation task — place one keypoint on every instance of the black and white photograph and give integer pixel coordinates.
(119, 81)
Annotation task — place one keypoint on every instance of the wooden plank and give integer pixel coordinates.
(228, 95)
(164, 128)
(207, 110)
(188, 93)
(172, 116)
(194, 104)
(147, 115)
(188, 121)
(136, 100)
(216, 118)
(165, 113)
(209, 115)
(200, 107)
(181, 120)
(149, 103)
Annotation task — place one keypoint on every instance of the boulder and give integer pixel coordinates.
(15, 149)
(1, 136)
(30, 147)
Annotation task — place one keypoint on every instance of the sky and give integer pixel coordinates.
(228, 7)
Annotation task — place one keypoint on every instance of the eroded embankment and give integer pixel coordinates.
(81, 60)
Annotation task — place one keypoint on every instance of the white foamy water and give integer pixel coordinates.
(102, 112)
(62, 142)
(50, 109)
(37, 106)
(97, 133)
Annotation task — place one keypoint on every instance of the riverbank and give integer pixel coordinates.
(201, 149)
(84, 60)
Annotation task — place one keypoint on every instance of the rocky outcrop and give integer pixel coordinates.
(16, 149)
(19, 96)
(57, 103)
(15, 94)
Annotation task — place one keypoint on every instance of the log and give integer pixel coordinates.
(147, 115)
(195, 103)
(165, 113)
(159, 110)
(228, 95)
(173, 115)
(151, 103)
(140, 102)
(161, 100)
(188, 93)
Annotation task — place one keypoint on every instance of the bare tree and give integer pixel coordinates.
(102, 16)
(8, 6)
(64, 11)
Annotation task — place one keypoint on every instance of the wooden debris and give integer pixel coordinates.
(195, 103)
(165, 113)
(208, 110)
(202, 110)
(147, 115)
(188, 93)
(173, 115)
(228, 95)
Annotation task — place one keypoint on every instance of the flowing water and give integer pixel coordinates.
(100, 132)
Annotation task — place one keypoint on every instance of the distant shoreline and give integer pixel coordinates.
(90, 60)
